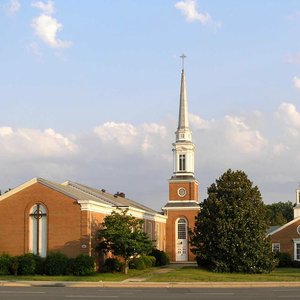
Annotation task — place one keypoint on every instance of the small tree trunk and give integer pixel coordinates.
(126, 267)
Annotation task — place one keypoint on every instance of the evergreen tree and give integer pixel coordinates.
(280, 213)
(123, 235)
(230, 229)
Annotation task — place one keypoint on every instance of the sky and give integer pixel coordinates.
(89, 92)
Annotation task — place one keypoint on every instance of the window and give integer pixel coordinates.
(149, 227)
(275, 247)
(296, 249)
(181, 229)
(38, 230)
(181, 162)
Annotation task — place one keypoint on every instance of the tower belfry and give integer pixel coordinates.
(182, 206)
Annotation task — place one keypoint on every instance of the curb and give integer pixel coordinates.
(106, 284)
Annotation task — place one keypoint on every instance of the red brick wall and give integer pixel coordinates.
(173, 215)
(67, 225)
(191, 188)
(285, 238)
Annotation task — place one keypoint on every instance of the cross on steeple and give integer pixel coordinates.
(183, 57)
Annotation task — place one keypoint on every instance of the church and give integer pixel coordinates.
(42, 216)
(286, 238)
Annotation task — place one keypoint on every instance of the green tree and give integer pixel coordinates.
(280, 213)
(122, 235)
(230, 229)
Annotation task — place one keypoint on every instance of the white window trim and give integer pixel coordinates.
(296, 242)
(273, 246)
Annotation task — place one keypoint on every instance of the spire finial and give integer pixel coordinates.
(183, 57)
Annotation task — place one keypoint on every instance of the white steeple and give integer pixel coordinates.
(183, 147)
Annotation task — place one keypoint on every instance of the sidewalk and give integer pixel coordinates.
(126, 284)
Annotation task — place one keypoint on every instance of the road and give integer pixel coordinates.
(59, 293)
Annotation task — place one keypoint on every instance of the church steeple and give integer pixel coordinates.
(182, 207)
(183, 131)
(183, 147)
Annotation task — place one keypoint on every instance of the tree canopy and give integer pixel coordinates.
(230, 229)
(123, 235)
(280, 213)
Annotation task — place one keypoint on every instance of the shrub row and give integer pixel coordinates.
(285, 260)
(142, 262)
(55, 263)
(161, 257)
(156, 258)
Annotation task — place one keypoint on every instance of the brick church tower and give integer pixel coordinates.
(182, 206)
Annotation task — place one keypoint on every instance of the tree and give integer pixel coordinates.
(230, 229)
(122, 235)
(280, 213)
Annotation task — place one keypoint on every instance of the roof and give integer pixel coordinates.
(284, 226)
(82, 192)
(272, 228)
(181, 204)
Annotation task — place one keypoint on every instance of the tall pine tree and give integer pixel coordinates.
(230, 229)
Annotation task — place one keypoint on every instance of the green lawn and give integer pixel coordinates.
(93, 278)
(189, 274)
(184, 274)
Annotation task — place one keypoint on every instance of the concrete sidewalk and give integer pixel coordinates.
(123, 284)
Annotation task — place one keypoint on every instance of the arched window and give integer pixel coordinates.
(181, 229)
(38, 230)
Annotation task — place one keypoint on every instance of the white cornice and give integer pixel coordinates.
(93, 206)
(180, 208)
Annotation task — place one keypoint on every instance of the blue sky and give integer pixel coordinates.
(90, 90)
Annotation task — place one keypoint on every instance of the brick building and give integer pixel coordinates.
(41, 216)
(287, 237)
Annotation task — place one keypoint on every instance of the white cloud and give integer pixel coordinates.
(189, 9)
(296, 81)
(12, 7)
(121, 133)
(243, 137)
(28, 143)
(47, 28)
(199, 123)
(5, 131)
(289, 114)
(47, 8)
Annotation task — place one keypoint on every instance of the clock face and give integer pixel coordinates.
(181, 192)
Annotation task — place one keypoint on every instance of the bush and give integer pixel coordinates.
(5, 261)
(296, 264)
(56, 264)
(161, 257)
(284, 259)
(111, 265)
(39, 265)
(14, 265)
(137, 263)
(83, 265)
(26, 264)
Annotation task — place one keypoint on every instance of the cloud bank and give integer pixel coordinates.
(137, 159)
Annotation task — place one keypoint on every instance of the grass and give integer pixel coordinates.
(192, 274)
(184, 274)
(92, 278)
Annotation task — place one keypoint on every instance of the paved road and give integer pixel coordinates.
(59, 293)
